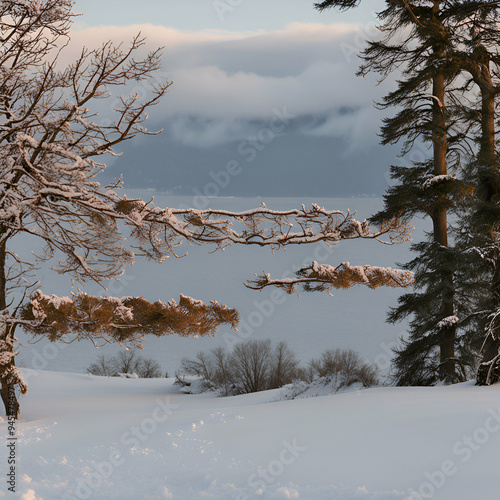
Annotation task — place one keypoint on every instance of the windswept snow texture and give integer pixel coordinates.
(382, 443)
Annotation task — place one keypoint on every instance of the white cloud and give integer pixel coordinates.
(162, 35)
(224, 81)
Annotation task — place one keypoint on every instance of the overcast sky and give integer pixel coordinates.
(264, 102)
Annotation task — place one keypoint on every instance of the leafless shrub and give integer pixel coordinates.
(284, 366)
(103, 367)
(213, 369)
(344, 368)
(252, 366)
(223, 377)
(127, 362)
(256, 366)
(149, 368)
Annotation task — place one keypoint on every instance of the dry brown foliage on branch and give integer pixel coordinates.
(323, 277)
(126, 320)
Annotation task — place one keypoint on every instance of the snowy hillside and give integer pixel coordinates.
(310, 324)
(129, 439)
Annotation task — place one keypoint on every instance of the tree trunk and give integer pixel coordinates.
(486, 189)
(8, 388)
(487, 150)
(447, 370)
(10, 401)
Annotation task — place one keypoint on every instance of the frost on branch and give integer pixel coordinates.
(432, 181)
(323, 277)
(447, 322)
(9, 374)
(167, 228)
(125, 320)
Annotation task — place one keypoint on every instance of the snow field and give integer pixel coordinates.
(106, 438)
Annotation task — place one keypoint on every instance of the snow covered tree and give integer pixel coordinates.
(475, 40)
(434, 43)
(433, 350)
(48, 191)
(50, 144)
(471, 64)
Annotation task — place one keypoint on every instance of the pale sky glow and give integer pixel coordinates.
(233, 65)
(246, 15)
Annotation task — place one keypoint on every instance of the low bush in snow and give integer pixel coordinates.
(344, 368)
(322, 386)
(256, 366)
(251, 367)
(125, 364)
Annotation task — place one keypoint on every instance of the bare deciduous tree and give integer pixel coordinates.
(50, 144)
(284, 366)
(252, 366)
(250, 363)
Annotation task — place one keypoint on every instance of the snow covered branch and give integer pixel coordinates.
(50, 141)
(266, 227)
(323, 277)
(125, 320)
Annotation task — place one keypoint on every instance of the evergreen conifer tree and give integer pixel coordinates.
(445, 43)
(475, 41)
(416, 42)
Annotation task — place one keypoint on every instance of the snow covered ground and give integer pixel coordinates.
(131, 439)
(310, 324)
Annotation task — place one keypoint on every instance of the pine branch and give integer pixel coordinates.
(125, 320)
(323, 277)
